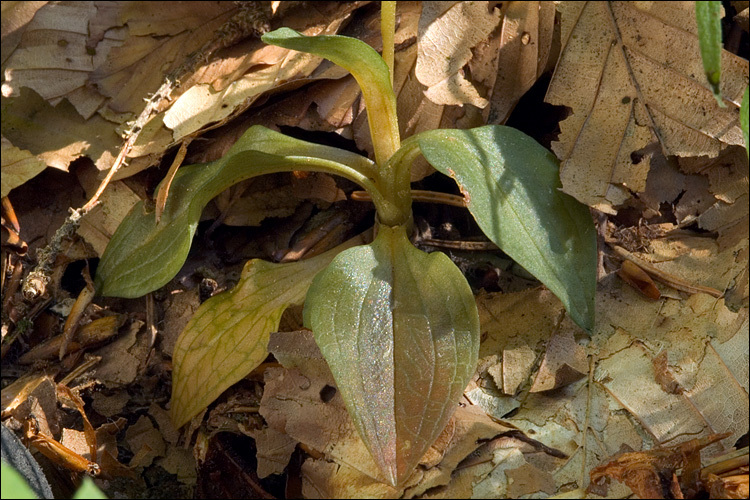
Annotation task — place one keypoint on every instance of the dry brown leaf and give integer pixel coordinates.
(18, 166)
(145, 441)
(523, 52)
(292, 403)
(564, 362)
(107, 59)
(15, 19)
(447, 33)
(696, 343)
(274, 451)
(528, 479)
(53, 57)
(644, 83)
(57, 135)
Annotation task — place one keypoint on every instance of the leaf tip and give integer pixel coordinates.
(278, 35)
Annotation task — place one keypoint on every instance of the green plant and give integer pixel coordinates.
(398, 327)
(14, 485)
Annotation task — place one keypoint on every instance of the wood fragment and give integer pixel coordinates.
(57, 452)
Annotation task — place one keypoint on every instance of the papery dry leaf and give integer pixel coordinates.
(274, 451)
(145, 441)
(447, 33)
(53, 56)
(124, 358)
(564, 362)
(149, 41)
(18, 166)
(517, 364)
(15, 19)
(646, 84)
(524, 47)
(707, 352)
(57, 135)
(107, 58)
(528, 479)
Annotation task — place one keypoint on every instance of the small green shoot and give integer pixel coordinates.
(708, 16)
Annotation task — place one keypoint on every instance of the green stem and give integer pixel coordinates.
(385, 206)
(387, 30)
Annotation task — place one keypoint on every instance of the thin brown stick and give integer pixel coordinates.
(161, 197)
(420, 196)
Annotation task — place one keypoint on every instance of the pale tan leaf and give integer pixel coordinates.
(53, 57)
(18, 166)
(157, 39)
(15, 19)
(447, 33)
(564, 362)
(57, 135)
(101, 222)
(524, 46)
(632, 74)
(274, 451)
(696, 341)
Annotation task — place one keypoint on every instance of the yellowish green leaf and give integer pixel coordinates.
(228, 335)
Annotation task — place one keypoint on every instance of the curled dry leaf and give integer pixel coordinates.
(638, 279)
(525, 41)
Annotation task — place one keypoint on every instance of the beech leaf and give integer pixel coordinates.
(512, 188)
(227, 337)
(144, 255)
(647, 86)
(399, 329)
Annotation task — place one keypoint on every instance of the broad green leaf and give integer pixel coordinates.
(13, 484)
(89, 490)
(512, 188)
(708, 15)
(227, 338)
(370, 71)
(744, 110)
(144, 255)
(400, 331)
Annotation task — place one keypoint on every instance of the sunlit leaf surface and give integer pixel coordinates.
(512, 188)
(400, 332)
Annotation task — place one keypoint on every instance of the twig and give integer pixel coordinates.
(420, 196)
